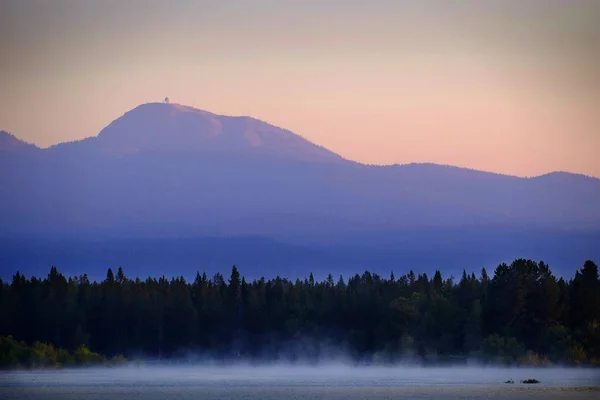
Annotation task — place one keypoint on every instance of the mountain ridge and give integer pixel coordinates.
(179, 108)
(162, 175)
(159, 127)
(192, 161)
(9, 142)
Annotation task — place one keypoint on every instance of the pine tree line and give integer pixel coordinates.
(523, 313)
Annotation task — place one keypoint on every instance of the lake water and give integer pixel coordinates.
(285, 382)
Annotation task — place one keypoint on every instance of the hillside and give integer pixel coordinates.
(170, 171)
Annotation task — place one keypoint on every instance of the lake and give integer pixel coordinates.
(287, 382)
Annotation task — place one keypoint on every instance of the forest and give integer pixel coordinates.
(522, 314)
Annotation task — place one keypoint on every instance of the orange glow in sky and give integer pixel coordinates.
(510, 87)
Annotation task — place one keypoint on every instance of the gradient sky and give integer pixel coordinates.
(511, 86)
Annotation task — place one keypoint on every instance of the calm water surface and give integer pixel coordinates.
(284, 382)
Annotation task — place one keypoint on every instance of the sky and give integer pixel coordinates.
(508, 86)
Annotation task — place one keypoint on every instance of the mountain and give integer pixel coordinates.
(177, 129)
(169, 172)
(9, 143)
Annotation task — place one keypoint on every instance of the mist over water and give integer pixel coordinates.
(282, 374)
(286, 381)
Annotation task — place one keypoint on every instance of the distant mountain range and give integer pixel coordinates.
(166, 172)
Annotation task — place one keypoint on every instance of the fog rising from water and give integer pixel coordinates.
(282, 374)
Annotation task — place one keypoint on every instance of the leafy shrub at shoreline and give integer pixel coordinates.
(16, 355)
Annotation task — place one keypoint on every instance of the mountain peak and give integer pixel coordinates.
(171, 109)
(168, 127)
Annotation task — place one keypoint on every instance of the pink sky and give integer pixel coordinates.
(510, 87)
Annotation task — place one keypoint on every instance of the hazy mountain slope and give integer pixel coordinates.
(9, 143)
(175, 129)
(168, 168)
(421, 251)
(186, 194)
(170, 171)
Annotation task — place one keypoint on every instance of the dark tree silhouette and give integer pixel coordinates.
(520, 314)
